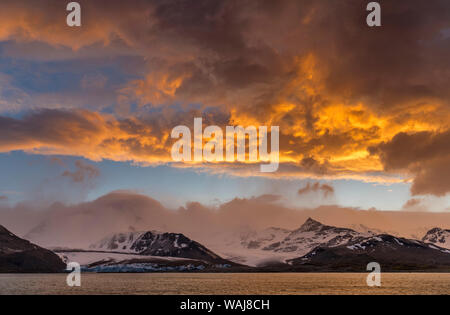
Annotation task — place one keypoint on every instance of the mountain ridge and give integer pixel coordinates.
(391, 252)
(438, 236)
(313, 233)
(311, 247)
(19, 255)
(155, 243)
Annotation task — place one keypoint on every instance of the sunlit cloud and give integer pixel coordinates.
(351, 102)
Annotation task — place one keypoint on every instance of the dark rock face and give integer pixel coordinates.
(439, 237)
(172, 245)
(392, 253)
(19, 255)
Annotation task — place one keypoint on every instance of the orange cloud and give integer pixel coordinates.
(343, 96)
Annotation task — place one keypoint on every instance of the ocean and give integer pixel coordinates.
(227, 283)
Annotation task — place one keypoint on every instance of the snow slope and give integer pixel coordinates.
(257, 248)
(153, 243)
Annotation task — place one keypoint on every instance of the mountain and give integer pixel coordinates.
(276, 245)
(439, 237)
(19, 255)
(392, 253)
(363, 229)
(312, 234)
(117, 242)
(153, 243)
(264, 238)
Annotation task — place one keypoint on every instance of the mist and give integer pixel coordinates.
(79, 225)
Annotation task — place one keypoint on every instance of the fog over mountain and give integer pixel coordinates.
(81, 224)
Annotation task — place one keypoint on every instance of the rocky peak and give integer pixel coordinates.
(438, 236)
(437, 231)
(311, 225)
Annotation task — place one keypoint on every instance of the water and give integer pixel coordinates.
(216, 283)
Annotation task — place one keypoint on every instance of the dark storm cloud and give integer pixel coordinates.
(243, 43)
(334, 86)
(424, 154)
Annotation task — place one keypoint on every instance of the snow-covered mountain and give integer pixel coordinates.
(153, 243)
(392, 253)
(118, 242)
(264, 238)
(271, 246)
(363, 229)
(312, 234)
(439, 237)
(267, 246)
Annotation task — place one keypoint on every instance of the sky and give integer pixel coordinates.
(363, 111)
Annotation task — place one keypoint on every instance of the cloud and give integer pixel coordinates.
(144, 140)
(424, 155)
(83, 223)
(414, 205)
(82, 173)
(433, 178)
(83, 133)
(3, 198)
(334, 91)
(325, 189)
(58, 161)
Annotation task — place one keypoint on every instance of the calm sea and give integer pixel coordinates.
(203, 283)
